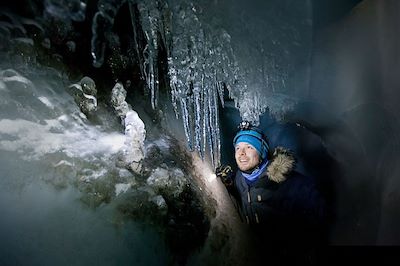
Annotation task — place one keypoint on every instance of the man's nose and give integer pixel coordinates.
(241, 151)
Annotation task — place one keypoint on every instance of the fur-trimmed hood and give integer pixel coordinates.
(280, 165)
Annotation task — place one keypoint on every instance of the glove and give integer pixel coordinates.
(225, 173)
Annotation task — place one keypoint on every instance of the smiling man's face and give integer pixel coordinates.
(246, 156)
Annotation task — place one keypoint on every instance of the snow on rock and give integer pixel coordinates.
(172, 181)
(135, 134)
(87, 174)
(121, 188)
(85, 94)
(159, 201)
(118, 95)
(124, 173)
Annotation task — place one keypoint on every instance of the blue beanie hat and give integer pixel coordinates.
(255, 139)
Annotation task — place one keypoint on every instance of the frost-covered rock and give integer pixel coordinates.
(125, 174)
(87, 174)
(88, 86)
(121, 188)
(135, 134)
(159, 201)
(85, 94)
(171, 181)
(118, 95)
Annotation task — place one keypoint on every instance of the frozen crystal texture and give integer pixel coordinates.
(135, 135)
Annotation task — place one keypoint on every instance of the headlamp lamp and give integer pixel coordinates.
(244, 125)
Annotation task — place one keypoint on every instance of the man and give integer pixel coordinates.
(281, 205)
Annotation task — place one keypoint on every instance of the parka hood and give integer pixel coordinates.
(281, 164)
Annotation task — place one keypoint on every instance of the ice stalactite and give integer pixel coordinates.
(186, 121)
(136, 44)
(198, 98)
(182, 62)
(150, 18)
(196, 79)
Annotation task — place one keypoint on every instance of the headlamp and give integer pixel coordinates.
(244, 125)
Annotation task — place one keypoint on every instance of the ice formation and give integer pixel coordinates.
(85, 94)
(135, 133)
(118, 95)
(206, 57)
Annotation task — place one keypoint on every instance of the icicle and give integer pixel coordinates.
(186, 122)
(211, 123)
(214, 124)
(197, 124)
(217, 147)
(150, 19)
(220, 89)
(98, 40)
(135, 36)
(165, 27)
(204, 113)
(173, 83)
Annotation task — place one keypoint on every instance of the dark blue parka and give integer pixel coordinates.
(282, 204)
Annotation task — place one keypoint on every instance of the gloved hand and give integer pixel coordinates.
(225, 173)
